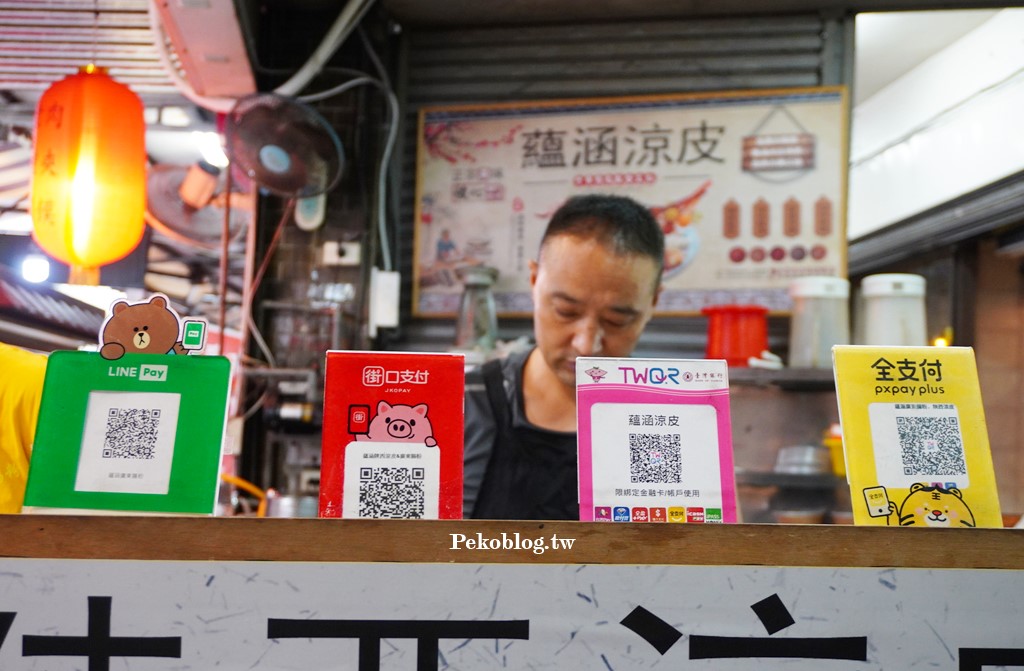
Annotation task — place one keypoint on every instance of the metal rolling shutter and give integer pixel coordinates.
(608, 59)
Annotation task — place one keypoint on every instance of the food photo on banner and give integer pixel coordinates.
(749, 188)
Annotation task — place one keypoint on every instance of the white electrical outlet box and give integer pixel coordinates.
(309, 481)
(334, 253)
(385, 288)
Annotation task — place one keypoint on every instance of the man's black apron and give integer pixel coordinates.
(532, 473)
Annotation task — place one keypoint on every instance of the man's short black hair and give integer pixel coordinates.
(624, 224)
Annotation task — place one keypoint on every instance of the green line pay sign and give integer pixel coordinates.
(141, 433)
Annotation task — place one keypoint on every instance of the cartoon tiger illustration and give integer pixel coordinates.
(933, 507)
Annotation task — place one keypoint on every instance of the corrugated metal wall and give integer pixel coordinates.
(624, 58)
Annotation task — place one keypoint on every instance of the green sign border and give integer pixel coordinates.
(202, 383)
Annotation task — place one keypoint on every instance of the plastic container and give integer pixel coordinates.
(835, 449)
(820, 319)
(894, 312)
(736, 333)
(803, 460)
(800, 505)
(291, 505)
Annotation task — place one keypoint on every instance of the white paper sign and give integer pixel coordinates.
(128, 442)
(239, 616)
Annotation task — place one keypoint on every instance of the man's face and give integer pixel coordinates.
(589, 301)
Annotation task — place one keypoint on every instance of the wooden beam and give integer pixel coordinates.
(316, 540)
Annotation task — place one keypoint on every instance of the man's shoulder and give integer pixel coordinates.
(509, 366)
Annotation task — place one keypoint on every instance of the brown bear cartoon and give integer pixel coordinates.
(142, 328)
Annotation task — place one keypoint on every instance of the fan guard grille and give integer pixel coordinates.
(283, 145)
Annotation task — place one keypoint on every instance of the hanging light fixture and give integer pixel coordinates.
(89, 172)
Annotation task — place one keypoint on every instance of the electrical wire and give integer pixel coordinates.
(257, 404)
(382, 72)
(258, 277)
(374, 58)
(245, 485)
(222, 279)
(350, 15)
(389, 145)
(278, 231)
(347, 20)
(262, 344)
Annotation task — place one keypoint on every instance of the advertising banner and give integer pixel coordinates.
(749, 188)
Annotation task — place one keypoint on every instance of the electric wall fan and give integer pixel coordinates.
(287, 149)
(283, 145)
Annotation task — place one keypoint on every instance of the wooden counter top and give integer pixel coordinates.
(316, 540)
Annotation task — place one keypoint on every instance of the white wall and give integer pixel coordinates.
(953, 124)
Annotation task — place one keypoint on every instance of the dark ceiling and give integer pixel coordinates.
(450, 13)
(41, 41)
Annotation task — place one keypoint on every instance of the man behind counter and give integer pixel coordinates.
(594, 285)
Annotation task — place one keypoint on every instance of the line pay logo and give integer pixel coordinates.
(152, 373)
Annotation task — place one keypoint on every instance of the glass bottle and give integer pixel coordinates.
(477, 325)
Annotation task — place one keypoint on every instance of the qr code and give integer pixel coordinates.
(131, 433)
(655, 457)
(391, 492)
(931, 446)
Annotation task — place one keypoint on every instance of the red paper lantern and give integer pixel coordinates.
(89, 172)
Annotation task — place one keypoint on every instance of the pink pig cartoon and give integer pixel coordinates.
(400, 423)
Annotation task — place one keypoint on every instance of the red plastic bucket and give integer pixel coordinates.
(736, 332)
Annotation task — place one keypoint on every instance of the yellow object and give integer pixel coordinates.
(89, 172)
(913, 424)
(245, 485)
(21, 389)
(945, 339)
(835, 448)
